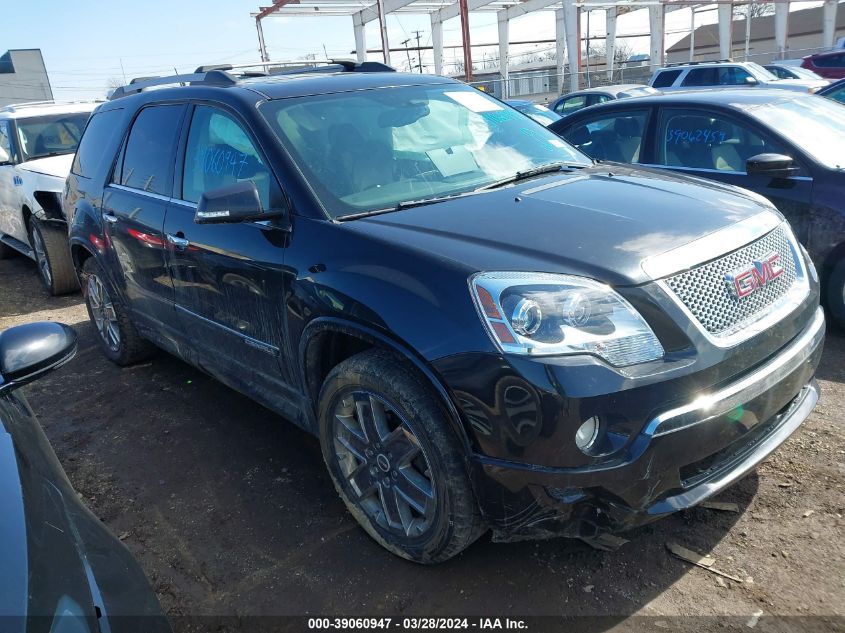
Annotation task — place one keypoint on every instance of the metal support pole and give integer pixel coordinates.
(382, 22)
(437, 44)
(360, 38)
(504, 41)
(262, 47)
(571, 25)
(781, 27)
(656, 23)
(748, 10)
(465, 40)
(829, 23)
(610, 40)
(725, 30)
(560, 47)
(692, 35)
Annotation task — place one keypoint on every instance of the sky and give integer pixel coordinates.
(89, 44)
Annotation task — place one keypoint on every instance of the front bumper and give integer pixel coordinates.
(682, 456)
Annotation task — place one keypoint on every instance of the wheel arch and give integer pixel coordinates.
(327, 341)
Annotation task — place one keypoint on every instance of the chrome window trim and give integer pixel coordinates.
(707, 407)
(772, 314)
(149, 194)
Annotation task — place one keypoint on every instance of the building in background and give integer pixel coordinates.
(804, 35)
(23, 77)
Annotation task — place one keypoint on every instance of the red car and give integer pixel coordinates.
(830, 65)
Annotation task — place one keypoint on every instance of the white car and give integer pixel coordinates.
(37, 145)
(717, 74)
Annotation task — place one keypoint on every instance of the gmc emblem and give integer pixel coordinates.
(746, 281)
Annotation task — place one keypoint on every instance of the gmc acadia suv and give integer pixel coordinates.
(485, 329)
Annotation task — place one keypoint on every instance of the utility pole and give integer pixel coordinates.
(408, 53)
(419, 53)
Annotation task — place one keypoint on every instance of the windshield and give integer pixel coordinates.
(371, 150)
(814, 124)
(50, 135)
(759, 72)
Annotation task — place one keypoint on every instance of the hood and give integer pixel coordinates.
(58, 166)
(802, 85)
(599, 222)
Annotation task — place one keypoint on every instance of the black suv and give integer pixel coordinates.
(485, 329)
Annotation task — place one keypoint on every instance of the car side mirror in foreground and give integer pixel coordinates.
(771, 165)
(29, 351)
(5, 159)
(751, 81)
(239, 202)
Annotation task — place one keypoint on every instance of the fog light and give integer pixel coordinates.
(587, 433)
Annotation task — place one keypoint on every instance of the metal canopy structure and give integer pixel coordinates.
(567, 24)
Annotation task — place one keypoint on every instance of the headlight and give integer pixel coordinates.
(541, 314)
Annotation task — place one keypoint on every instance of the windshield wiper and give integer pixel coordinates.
(404, 204)
(549, 168)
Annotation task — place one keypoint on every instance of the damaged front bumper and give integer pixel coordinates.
(683, 456)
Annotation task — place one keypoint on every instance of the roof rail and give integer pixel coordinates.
(13, 107)
(299, 66)
(211, 78)
(706, 61)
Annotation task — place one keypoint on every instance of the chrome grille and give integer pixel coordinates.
(710, 297)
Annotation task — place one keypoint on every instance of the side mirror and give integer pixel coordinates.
(4, 157)
(239, 202)
(771, 165)
(29, 351)
(751, 81)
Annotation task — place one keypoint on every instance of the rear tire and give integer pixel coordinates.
(118, 337)
(395, 460)
(52, 254)
(835, 294)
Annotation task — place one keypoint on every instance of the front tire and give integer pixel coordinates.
(118, 337)
(394, 459)
(52, 255)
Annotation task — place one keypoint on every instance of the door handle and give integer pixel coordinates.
(178, 242)
(110, 217)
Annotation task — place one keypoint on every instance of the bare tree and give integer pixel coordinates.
(754, 9)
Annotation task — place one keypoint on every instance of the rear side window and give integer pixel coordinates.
(618, 138)
(665, 78)
(97, 143)
(702, 77)
(148, 154)
(571, 104)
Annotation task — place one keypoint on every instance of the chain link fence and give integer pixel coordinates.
(545, 84)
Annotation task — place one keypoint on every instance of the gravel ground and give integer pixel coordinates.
(230, 513)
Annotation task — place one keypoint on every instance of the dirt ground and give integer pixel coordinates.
(230, 512)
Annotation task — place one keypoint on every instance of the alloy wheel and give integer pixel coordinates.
(41, 257)
(102, 311)
(384, 464)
